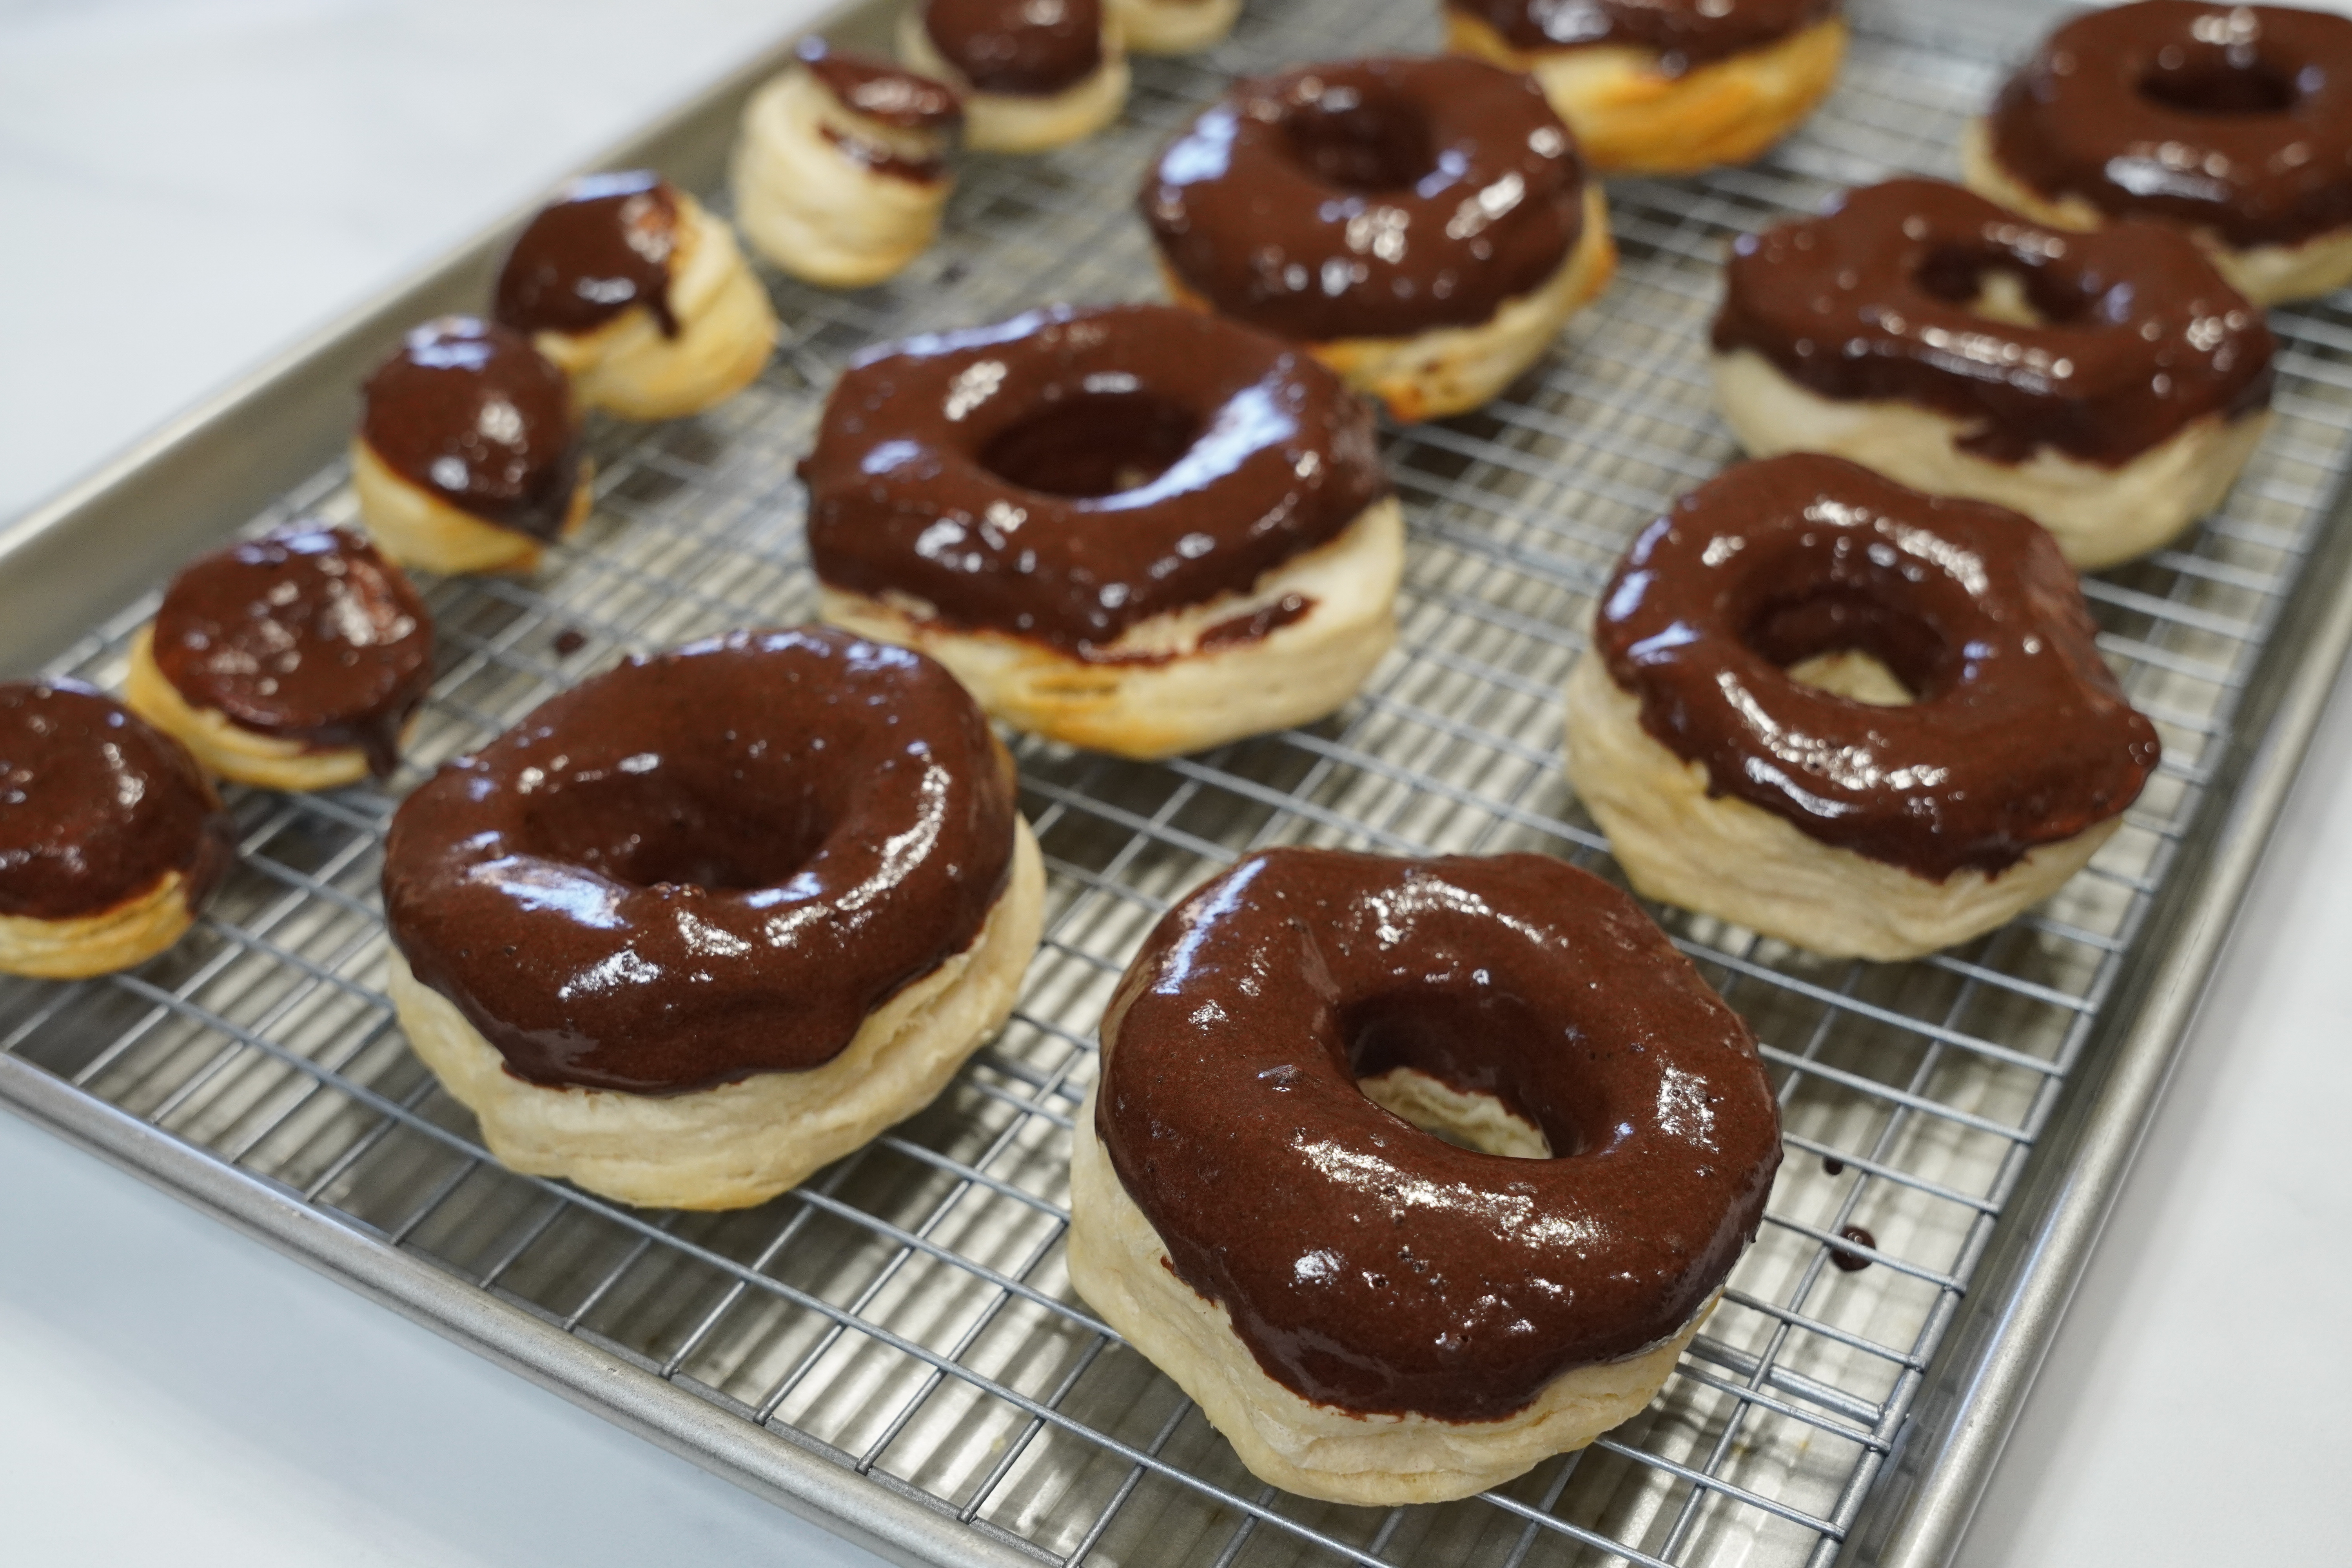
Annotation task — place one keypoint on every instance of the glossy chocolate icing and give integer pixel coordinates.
(305, 633)
(2141, 336)
(1853, 1262)
(881, 90)
(1369, 198)
(2232, 118)
(1366, 1264)
(96, 806)
(470, 411)
(1684, 32)
(704, 863)
(1069, 473)
(2019, 735)
(598, 250)
(884, 160)
(1024, 48)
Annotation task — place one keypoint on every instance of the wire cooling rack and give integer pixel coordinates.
(906, 1314)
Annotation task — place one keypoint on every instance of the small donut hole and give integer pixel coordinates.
(1359, 143)
(1089, 445)
(1995, 285)
(1453, 1067)
(1852, 645)
(2219, 82)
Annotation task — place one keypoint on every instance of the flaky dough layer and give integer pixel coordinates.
(814, 211)
(224, 748)
(1174, 26)
(80, 946)
(420, 531)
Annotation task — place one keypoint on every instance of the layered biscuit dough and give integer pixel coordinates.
(817, 212)
(1632, 117)
(1174, 26)
(1722, 857)
(2099, 515)
(1007, 122)
(80, 946)
(1157, 693)
(417, 529)
(741, 1144)
(225, 748)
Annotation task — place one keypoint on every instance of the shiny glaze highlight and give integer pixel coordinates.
(1685, 33)
(470, 411)
(2140, 335)
(881, 90)
(1369, 198)
(2019, 735)
(305, 633)
(1377, 1268)
(707, 863)
(1071, 472)
(602, 247)
(1022, 49)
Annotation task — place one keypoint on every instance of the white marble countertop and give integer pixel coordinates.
(191, 184)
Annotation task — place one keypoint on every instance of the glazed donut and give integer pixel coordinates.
(715, 918)
(1134, 528)
(112, 839)
(467, 454)
(294, 661)
(1866, 721)
(1664, 87)
(1032, 76)
(840, 173)
(1174, 26)
(1260, 1200)
(1423, 225)
(639, 295)
(2231, 121)
(2109, 385)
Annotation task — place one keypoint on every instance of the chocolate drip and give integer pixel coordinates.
(1377, 1268)
(472, 413)
(2236, 119)
(306, 634)
(97, 807)
(1072, 472)
(1854, 1262)
(885, 161)
(2019, 735)
(598, 250)
(2139, 336)
(1258, 625)
(1369, 198)
(1684, 32)
(704, 863)
(1016, 47)
(880, 90)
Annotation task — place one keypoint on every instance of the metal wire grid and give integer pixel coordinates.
(906, 1314)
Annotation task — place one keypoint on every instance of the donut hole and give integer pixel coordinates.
(1852, 645)
(1997, 286)
(1086, 445)
(1362, 142)
(650, 835)
(2219, 82)
(1449, 1066)
(1483, 1122)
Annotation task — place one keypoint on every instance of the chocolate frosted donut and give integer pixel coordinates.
(2234, 122)
(1079, 498)
(599, 249)
(1033, 76)
(110, 837)
(1965, 739)
(1361, 1266)
(2093, 352)
(1424, 225)
(294, 661)
(1685, 33)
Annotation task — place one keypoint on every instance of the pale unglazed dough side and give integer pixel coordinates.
(1174, 26)
(2098, 515)
(2265, 274)
(419, 531)
(1192, 699)
(1119, 1264)
(1631, 116)
(726, 331)
(80, 946)
(815, 211)
(225, 748)
(1005, 123)
(741, 1144)
(1722, 857)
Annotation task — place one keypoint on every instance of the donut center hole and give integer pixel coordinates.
(654, 838)
(2219, 82)
(1361, 143)
(1994, 286)
(1851, 644)
(1465, 1120)
(1092, 444)
(1451, 1065)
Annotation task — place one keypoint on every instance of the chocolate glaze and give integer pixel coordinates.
(1833, 1166)
(2236, 119)
(884, 160)
(600, 247)
(569, 641)
(306, 634)
(1018, 47)
(1854, 1262)
(1258, 625)
(1872, 301)
(1369, 198)
(707, 863)
(2020, 735)
(471, 412)
(1684, 32)
(881, 90)
(96, 806)
(1073, 471)
(1377, 1268)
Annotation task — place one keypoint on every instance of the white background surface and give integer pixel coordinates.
(187, 184)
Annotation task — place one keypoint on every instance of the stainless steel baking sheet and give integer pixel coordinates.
(895, 1349)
